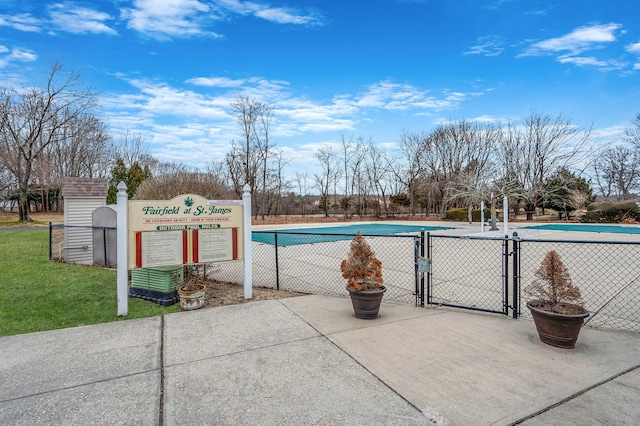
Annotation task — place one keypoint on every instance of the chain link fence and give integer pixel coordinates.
(88, 245)
(607, 274)
(468, 273)
(490, 274)
(479, 273)
(310, 263)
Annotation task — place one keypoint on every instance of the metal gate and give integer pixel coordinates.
(466, 272)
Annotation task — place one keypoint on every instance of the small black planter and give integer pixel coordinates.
(559, 330)
(366, 304)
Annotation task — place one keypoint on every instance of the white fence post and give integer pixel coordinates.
(248, 257)
(505, 208)
(122, 245)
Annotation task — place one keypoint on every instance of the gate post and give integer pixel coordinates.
(516, 276)
(422, 275)
(428, 244)
(275, 245)
(418, 253)
(505, 274)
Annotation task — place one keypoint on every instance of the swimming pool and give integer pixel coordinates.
(613, 229)
(289, 237)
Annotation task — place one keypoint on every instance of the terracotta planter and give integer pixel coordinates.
(190, 300)
(366, 304)
(559, 330)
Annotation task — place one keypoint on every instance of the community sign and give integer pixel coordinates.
(187, 229)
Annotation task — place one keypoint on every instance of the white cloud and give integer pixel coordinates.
(591, 61)
(393, 96)
(633, 48)
(215, 82)
(16, 54)
(161, 99)
(21, 22)
(79, 20)
(279, 15)
(286, 16)
(164, 19)
(569, 48)
(577, 41)
(173, 118)
(487, 46)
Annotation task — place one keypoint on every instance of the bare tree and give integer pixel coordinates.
(301, 180)
(462, 160)
(130, 148)
(351, 158)
(82, 150)
(632, 134)
(327, 159)
(264, 118)
(7, 185)
(409, 166)
(377, 174)
(281, 183)
(33, 118)
(247, 161)
(617, 172)
(539, 147)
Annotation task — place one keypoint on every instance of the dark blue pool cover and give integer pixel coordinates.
(289, 237)
(613, 229)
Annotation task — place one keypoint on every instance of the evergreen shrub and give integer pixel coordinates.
(607, 212)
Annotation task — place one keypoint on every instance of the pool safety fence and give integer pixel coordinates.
(483, 273)
(491, 274)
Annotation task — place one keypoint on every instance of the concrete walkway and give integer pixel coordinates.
(307, 360)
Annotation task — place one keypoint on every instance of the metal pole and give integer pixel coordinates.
(104, 246)
(516, 276)
(422, 275)
(481, 216)
(50, 241)
(505, 273)
(416, 250)
(429, 275)
(275, 243)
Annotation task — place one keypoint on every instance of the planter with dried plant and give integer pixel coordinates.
(363, 272)
(191, 292)
(557, 307)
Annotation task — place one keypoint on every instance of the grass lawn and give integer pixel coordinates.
(39, 295)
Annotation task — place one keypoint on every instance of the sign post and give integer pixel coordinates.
(122, 232)
(248, 273)
(186, 230)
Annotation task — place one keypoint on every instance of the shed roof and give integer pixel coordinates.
(84, 187)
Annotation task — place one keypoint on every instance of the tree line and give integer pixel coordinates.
(541, 162)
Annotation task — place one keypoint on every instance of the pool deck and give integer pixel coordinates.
(307, 360)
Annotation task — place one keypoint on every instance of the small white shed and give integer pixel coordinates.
(81, 197)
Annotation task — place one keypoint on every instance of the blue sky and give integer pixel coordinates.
(170, 69)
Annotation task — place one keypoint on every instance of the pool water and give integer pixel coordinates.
(613, 229)
(288, 237)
